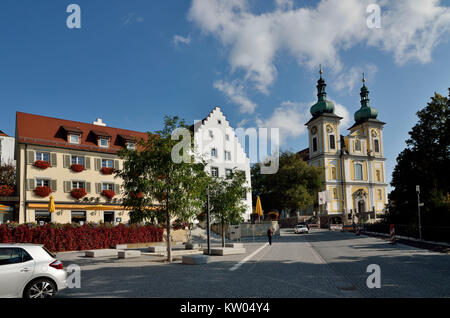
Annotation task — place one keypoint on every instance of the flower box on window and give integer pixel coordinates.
(77, 168)
(6, 190)
(78, 193)
(42, 191)
(41, 164)
(108, 194)
(106, 170)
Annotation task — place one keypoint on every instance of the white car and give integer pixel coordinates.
(30, 271)
(299, 229)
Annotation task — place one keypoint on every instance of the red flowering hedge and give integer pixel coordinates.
(42, 164)
(106, 170)
(69, 237)
(76, 167)
(78, 193)
(42, 191)
(108, 194)
(6, 190)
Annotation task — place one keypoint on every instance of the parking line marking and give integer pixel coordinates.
(236, 266)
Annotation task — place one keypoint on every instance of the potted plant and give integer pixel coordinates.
(106, 170)
(108, 194)
(78, 193)
(6, 190)
(76, 167)
(42, 191)
(41, 164)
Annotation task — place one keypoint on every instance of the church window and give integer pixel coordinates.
(333, 173)
(380, 195)
(314, 144)
(358, 171)
(332, 142)
(378, 175)
(376, 145)
(358, 145)
(335, 194)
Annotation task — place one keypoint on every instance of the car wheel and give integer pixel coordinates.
(40, 288)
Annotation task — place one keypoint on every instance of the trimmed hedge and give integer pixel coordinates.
(73, 237)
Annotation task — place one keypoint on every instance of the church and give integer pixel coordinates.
(353, 164)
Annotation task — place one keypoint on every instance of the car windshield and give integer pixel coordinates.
(48, 252)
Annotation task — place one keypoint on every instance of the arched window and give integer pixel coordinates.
(358, 171)
(332, 142)
(376, 145)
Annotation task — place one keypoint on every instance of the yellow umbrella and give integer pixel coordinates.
(258, 210)
(51, 205)
(3, 208)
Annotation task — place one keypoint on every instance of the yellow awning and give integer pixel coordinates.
(259, 210)
(51, 205)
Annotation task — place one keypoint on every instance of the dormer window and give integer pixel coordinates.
(219, 122)
(103, 142)
(74, 139)
(131, 146)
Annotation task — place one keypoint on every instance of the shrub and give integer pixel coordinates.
(77, 168)
(106, 170)
(42, 191)
(42, 164)
(69, 237)
(108, 194)
(78, 193)
(6, 190)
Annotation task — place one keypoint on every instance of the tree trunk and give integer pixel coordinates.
(223, 234)
(169, 243)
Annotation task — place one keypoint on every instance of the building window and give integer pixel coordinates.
(131, 146)
(332, 142)
(214, 152)
(107, 163)
(227, 155)
(314, 144)
(42, 183)
(214, 171)
(357, 145)
(78, 160)
(43, 156)
(78, 185)
(228, 172)
(79, 217)
(219, 122)
(42, 216)
(74, 139)
(108, 186)
(103, 142)
(108, 217)
(227, 137)
(211, 134)
(376, 145)
(358, 171)
(378, 175)
(380, 195)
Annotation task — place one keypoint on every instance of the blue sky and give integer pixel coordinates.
(132, 62)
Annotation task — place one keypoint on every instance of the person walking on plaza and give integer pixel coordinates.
(269, 235)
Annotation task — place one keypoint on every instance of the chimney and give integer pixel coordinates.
(99, 122)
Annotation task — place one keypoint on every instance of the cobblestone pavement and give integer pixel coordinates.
(320, 264)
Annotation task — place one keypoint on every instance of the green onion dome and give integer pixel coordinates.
(365, 112)
(323, 105)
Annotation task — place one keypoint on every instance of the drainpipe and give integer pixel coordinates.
(344, 201)
(24, 185)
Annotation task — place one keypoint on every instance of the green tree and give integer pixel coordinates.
(425, 162)
(226, 199)
(8, 174)
(156, 186)
(293, 187)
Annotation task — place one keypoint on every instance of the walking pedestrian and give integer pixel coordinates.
(269, 235)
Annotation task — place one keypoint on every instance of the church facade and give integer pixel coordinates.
(353, 164)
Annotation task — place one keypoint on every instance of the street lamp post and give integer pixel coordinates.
(418, 208)
(208, 227)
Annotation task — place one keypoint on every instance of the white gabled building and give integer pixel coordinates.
(6, 148)
(216, 141)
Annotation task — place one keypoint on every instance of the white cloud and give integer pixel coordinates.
(132, 18)
(177, 39)
(235, 92)
(291, 117)
(411, 29)
(349, 79)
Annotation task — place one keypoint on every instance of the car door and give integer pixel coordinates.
(16, 268)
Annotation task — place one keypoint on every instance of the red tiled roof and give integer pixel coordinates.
(3, 134)
(48, 131)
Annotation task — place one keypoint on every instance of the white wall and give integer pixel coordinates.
(6, 149)
(204, 143)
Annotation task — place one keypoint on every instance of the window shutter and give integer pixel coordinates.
(31, 184)
(87, 163)
(117, 189)
(67, 186)
(53, 185)
(88, 187)
(53, 160)
(66, 161)
(30, 157)
(116, 165)
(97, 164)
(98, 187)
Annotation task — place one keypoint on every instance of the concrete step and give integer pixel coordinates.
(195, 259)
(225, 251)
(102, 253)
(129, 254)
(234, 245)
